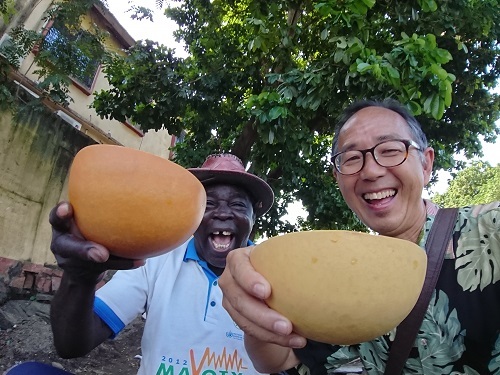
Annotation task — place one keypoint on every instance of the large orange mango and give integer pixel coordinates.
(136, 204)
(341, 287)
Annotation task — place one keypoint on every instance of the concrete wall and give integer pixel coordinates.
(35, 156)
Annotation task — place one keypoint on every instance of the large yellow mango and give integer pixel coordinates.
(341, 287)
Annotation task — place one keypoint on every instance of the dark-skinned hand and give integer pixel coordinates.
(82, 259)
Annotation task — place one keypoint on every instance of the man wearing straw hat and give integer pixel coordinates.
(187, 331)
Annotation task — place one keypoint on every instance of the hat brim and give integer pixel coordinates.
(260, 191)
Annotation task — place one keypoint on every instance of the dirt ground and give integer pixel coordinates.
(25, 335)
(29, 338)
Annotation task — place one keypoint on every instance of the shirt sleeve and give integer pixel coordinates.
(122, 298)
(108, 316)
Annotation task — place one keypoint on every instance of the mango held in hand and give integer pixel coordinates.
(136, 204)
(341, 287)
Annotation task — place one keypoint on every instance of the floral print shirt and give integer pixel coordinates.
(460, 333)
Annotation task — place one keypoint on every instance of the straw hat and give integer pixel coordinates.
(228, 169)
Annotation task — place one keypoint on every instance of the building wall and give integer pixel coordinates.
(109, 131)
(36, 153)
(35, 156)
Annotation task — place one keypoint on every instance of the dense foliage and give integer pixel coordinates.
(266, 81)
(479, 183)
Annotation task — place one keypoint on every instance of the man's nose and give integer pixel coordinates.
(371, 169)
(223, 211)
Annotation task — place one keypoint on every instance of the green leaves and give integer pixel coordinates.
(424, 61)
(161, 103)
(434, 106)
(477, 184)
(428, 5)
(7, 10)
(76, 51)
(266, 80)
(329, 8)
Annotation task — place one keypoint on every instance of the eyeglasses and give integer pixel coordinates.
(389, 153)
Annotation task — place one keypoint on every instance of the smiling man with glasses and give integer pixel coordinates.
(382, 163)
(390, 153)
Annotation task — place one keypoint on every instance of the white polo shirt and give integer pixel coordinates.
(187, 331)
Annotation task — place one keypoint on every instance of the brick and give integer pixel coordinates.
(56, 283)
(47, 285)
(17, 282)
(58, 272)
(6, 265)
(36, 268)
(29, 280)
(43, 284)
(47, 271)
(31, 267)
(22, 277)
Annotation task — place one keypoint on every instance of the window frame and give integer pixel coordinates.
(75, 81)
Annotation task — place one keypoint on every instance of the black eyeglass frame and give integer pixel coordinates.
(406, 142)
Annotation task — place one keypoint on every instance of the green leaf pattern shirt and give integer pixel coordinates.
(460, 333)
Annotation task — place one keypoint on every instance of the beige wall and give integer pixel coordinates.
(35, 156)
(36, 153)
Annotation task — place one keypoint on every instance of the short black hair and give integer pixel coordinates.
(391, 104)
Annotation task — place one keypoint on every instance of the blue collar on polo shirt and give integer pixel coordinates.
(192, 254)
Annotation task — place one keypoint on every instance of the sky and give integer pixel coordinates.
(161, 31)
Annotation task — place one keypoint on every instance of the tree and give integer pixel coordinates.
(479, 183)
(266, 81)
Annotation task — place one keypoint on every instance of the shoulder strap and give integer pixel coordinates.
(436, 244)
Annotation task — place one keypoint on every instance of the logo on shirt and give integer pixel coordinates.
(208, 363)
(234, 335)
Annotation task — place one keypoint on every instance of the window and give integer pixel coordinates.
(65, 50)
(181, 137)
(129, 123)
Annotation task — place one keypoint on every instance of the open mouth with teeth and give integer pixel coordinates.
(221, 240)
(377, 197)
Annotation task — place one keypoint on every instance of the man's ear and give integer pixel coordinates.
(335, 173)
(428, 163)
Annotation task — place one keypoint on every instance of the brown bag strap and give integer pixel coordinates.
(435, 246)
